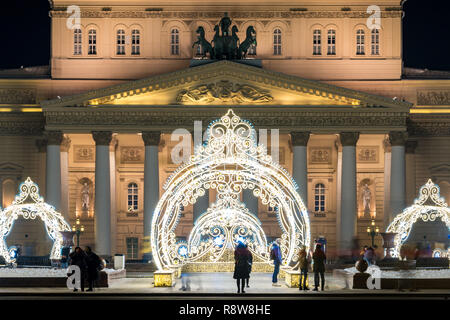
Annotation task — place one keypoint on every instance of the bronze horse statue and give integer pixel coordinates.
(245, 45)
(203, 43)
(218, 43)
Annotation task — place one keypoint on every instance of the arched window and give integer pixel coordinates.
(360, 40)
(375, 42)
(135, 42)
(317, 42)
(319, 197)
(277, 42)
(92, 41)
(331, 49)
(120, 42)
(132, 197)
(77, 43)
(175, 42)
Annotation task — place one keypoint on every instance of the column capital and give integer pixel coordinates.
(102, 138)
(65, 144)
(300, 138)
(54, 138)
(398, 138)
(410, 146)
(151, 138)
(349, 138)
(41, 145)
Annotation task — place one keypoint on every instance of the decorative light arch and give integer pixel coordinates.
(402, 224)
(29, 204)
(229, 162)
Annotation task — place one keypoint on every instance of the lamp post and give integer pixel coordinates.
(78, 229)
(373, 231)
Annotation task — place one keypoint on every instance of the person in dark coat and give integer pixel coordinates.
(247, 280)
(242, 258)
(275, 255)
(304, 261)
(78, 258)
(319, 259)
(65, 251)
(94, 265)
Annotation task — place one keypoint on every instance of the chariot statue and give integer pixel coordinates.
(225, 46)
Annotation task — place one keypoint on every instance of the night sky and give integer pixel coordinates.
(25, 34)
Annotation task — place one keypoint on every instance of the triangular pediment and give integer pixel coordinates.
(227, 83)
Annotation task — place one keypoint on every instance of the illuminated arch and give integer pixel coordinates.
(402, 224)
(229, 162)
(29, 204)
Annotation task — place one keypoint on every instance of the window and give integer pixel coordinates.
(360, 42)
(319, 197)
(375, 42)
(77, 42)
(277, 42)
(120, 42)
(317, 42)
(92, 41)
(132, 197)
(135, 42)
(175, 42)
(331, 42)
(132, 248)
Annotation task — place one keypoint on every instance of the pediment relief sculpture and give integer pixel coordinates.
(223, 92)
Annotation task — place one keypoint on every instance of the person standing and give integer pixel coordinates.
(275, 255)
(94, 265)
(303, 266)
(65, 251)
(242, 258)
(319, 259)
(78, 258)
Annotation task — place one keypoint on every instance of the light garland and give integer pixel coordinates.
(29, 204)
(403, 222)
(229, 162)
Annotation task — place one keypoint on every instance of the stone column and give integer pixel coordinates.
(65, 146)
(102, 193)
(112, 166)
(348, 191)
(151, 182)
(53, 169)
(299, 142)
(387, 183)
(398, 172)
(41, 145)
(410, 158)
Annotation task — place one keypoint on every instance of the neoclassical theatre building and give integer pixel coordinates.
(359, 132)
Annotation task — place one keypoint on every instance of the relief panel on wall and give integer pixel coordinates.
(320, 155)
(132, 155)
(83, 153)
(368, 154)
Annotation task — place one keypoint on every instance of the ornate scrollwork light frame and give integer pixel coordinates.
(229, 162)
(402, 223)
(29, 204)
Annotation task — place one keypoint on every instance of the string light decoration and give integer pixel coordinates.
(229, 162)
(428, 207)
(29, 204)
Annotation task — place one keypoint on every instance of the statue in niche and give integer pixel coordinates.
(367, 198)
(85, 197)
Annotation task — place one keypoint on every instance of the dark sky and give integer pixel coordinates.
(25, 34)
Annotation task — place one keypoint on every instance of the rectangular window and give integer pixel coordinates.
(132, 248)
(135, 42)
(360, 41)
(175, 42)
(277, 42)
(317, 43)
(375, 42)
(77, 43)
(120, 42)
(331, 43)
(92, 41)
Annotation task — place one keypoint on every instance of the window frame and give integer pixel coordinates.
(317, 42)
(331, 44)
(77, 42)
(277, 42)
(136, 42)
(121, 42)
(175, 41)
(360, 42)
(132, 197)
(375, 34)
(92, 42)
(134, 245)
(319, 197)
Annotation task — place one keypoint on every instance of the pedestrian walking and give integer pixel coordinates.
(94, 266)
(275, 255)
(319, 259)
(304, 262)
(78, 258)
(242, 258)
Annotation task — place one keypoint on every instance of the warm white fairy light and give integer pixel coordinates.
(229, 162)
(403, 222)
(29, 204)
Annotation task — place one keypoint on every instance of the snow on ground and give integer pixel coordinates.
(38, 272)
(402, 274)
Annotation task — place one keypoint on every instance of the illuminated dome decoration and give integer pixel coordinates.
(229, 162)
(428, 207)
(29, 204)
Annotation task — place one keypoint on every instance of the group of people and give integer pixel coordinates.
(89, 263)
(244, 259)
